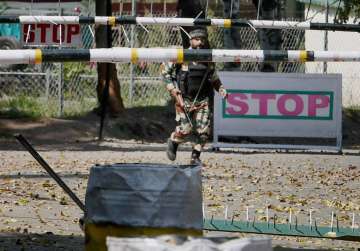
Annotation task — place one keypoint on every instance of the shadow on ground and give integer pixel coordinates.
(40, 242)
(140, 124)
(298, 249)
(51, 242)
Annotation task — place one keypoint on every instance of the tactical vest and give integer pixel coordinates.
(190, 81)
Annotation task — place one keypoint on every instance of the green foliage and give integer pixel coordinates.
(21, 107)
(72, 69)
(3, 8)
(34, 108)
(144, 97)
(353, 113)
(74, 84)
(76, 109)
(348, 7)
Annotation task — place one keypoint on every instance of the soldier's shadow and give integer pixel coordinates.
(40, 242)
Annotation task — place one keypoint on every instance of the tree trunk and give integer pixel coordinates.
(115, 103)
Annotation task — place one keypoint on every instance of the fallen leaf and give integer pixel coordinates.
(23, 201)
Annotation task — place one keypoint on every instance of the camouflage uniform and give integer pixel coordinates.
(196, 117)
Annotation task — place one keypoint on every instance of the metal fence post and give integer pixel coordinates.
(60, 90)
(132, 42)
(47, 84)
(326, 38)
(61, 79)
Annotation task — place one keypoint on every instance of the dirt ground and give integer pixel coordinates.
(35, 214)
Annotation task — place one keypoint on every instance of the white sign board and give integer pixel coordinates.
(68, 35)
(279, 105)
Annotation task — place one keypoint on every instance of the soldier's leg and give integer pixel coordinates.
(202, 123)
(178, 136)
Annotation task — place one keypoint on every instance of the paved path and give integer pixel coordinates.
(32, 204)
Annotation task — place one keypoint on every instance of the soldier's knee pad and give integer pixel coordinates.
(203, 137)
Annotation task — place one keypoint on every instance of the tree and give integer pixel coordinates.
(107, 74)
(348, 7)
(3, 8)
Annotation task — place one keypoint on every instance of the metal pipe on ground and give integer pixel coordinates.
(49, 170)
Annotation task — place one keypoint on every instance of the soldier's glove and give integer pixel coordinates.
(174, 92)
(223, 92)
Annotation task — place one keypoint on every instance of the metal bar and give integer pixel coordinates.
(50, 171)
(61, 90)
(132, 44)
(105, 94)
(125, 55)
(277, 146)
(61, 73)
(105, 101)
(347, 234)
(226, 23)
(326, 35)
(47, 84)
(124, 78)
(23, 73)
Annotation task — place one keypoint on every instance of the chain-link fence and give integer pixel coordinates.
(335, 41)
(70, 88)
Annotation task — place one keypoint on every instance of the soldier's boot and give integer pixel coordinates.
(195, 158)
(171, 149)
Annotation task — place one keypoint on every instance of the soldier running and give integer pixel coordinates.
(192, 85)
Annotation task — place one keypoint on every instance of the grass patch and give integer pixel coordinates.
(21, 107)
(352, 113)
(144, 95)
(35, 108)
(74, 109)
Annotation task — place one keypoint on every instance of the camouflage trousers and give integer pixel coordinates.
(196, 121)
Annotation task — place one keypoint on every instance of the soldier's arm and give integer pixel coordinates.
(169, 74)
(215, 80)
(169, 77)
(217, 85)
